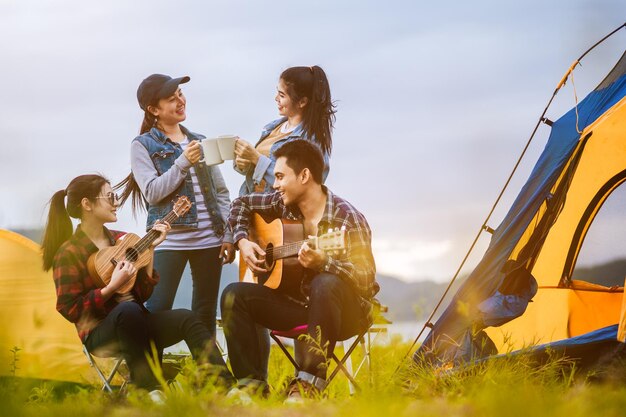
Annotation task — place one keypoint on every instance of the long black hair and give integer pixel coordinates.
(128, 186)
(319, 113)
(59, 226)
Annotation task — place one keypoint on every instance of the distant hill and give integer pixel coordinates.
(609, 274)
(36, 235)
(412, 300)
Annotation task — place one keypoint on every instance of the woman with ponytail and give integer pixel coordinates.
(106, 321)
(165, 162)
(307, 112)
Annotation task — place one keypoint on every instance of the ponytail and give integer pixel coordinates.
(130, 189)
(58, 228)
(319, 113)
(149, 121)
(59, 225)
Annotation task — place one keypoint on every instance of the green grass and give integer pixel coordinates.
(507, 387)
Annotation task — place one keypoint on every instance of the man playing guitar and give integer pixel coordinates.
(336, 290)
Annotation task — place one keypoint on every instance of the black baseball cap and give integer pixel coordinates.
(157, 86)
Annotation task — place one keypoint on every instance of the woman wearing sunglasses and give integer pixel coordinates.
(107, 321)
(165, 162)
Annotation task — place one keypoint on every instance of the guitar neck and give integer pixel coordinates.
(290, 249)
(152, 235)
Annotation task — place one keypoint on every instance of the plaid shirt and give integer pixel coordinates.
(79, 299)
(356, 264)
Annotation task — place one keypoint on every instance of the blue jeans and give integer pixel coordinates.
(333, 307)
(129, 329)
(206, 270)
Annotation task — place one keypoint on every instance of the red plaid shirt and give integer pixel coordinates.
(79, 299)
(356, 264)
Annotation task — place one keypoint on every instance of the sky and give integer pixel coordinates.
(434, 101)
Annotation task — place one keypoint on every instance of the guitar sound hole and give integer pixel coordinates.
(132, 255)
(269, 256)
(269, 264)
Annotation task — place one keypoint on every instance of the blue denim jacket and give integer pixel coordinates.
(163, 153)
(264, 169)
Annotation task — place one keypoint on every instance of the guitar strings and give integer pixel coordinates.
(278, 252)
(285, 250)
(145, 242)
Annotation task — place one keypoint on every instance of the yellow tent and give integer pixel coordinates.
(522, 292)
(563, 307)
(49, 345)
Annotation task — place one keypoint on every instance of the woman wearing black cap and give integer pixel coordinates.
(165, 163)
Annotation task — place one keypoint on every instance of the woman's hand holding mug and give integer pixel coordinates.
(246, 152)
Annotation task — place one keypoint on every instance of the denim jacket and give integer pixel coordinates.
(166, 176)
(264, 169)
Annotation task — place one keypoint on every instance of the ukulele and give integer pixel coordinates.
(281, 239)
(130, 248)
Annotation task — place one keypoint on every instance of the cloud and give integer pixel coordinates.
(408, 259)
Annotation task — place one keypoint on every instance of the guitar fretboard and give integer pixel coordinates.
(285, 251)
(152, 235)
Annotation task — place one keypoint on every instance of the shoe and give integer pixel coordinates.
(239, 396)
(157, 396)
(298, 391)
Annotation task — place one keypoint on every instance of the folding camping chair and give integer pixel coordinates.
(378, 327)
(118, 361)
(343, 364)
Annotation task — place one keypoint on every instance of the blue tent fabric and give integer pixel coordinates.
(600, 335)
(487, 277)
(586, 349)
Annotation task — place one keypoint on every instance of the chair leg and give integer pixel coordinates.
(285, 351)
(220, 340)
(118, 362)
(106, 386)
(349, 369)
(341, 367)
(340, 363)
(106, 380)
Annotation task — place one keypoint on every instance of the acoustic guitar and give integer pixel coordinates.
(131, 248)
(281, 239)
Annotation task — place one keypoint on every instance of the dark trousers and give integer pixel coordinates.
(206, 269)
(129, 329)
(334, 308)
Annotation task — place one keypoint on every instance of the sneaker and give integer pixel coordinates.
(157, 396)
(298, 391)
(238, 396)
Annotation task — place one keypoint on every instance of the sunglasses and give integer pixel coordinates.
(112, 198)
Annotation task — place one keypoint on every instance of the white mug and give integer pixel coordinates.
(226, 144)
(210, 152)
